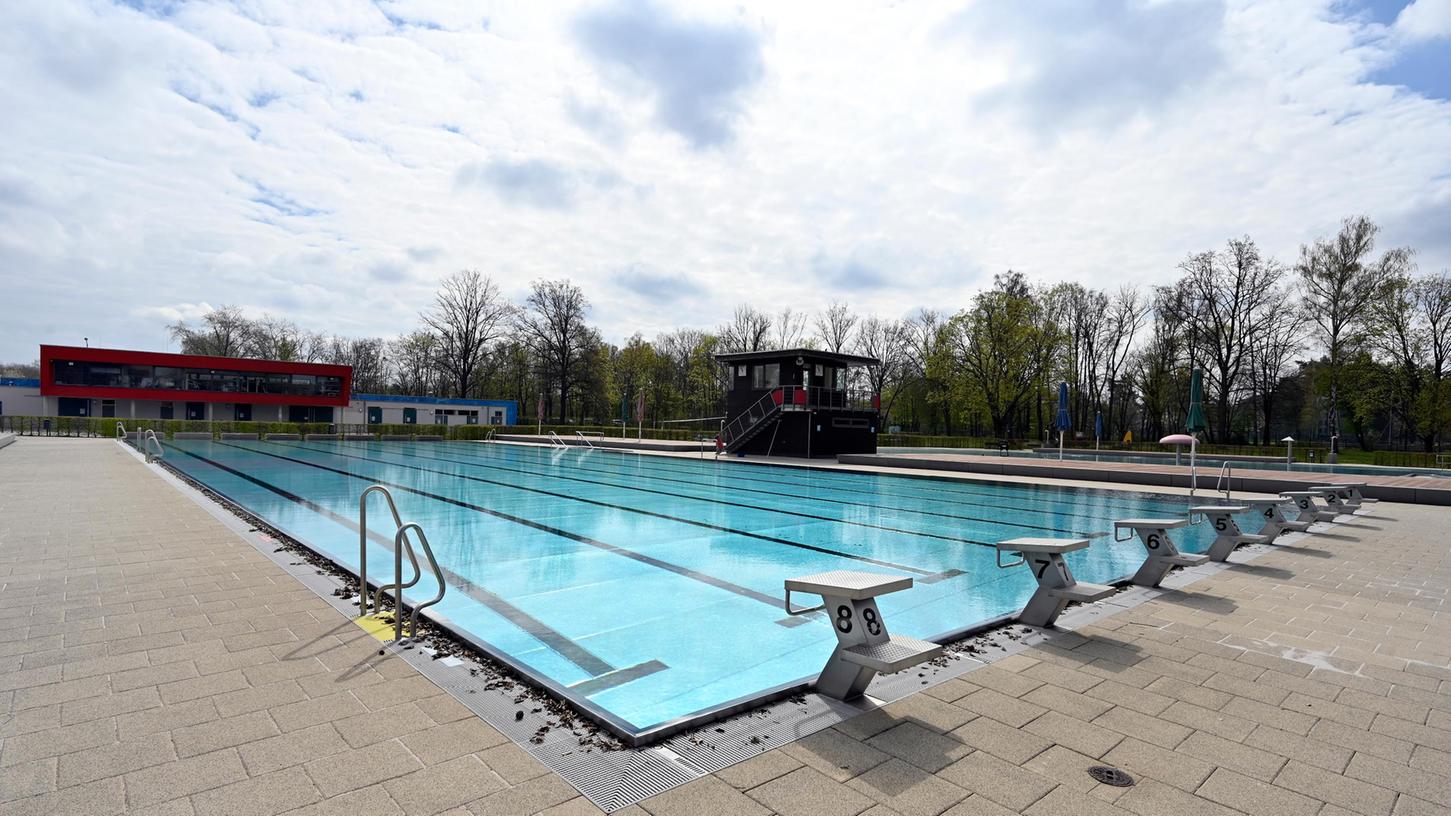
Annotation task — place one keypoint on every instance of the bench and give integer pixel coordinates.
(864, 648)
(359, 438)
(282, 437)
(321, 437)
(1056, 585)
(1309, 511)
(1162, 554)
(1276, 524)
(206, 435)
(1227, 535)
(237, 436)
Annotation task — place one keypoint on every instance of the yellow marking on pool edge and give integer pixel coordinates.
(379, 626)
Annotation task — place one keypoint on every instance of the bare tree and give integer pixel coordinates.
(1340, 281)
(223, 333)
(748, 330)
(834, 327)
(468, 315)
(886, 342)
(1278, 337)
(552, 325)
(275, 338)
(1228, 289)
(412, 357)
(790, 328)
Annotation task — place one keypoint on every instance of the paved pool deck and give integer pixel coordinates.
(158, 663)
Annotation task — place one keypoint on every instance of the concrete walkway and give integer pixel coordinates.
(160, 664)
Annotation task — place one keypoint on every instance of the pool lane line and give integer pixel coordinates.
(618, 677)
(581, 657)
(718, 583)
(494, 463)
(666, 517)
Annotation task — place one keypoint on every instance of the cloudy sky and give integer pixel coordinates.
(329, 161)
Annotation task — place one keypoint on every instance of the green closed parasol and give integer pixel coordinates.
(1196, 421)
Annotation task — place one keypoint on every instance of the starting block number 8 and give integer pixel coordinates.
(869, 617)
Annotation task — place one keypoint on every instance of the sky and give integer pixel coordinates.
(330, 161)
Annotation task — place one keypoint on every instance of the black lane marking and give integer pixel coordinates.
(663, 516)
(745, 592)
(541, 631)
(775, 493)
(618, 677)
(942, 576)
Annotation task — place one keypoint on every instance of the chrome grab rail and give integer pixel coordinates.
(401, 544)
(148, 440)
(363, 540)
(400, 541)
(489, 437)
(587, 443)
(121, 435)
(555, 440)
(1226, 474)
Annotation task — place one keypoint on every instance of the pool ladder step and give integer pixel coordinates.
(402, 543)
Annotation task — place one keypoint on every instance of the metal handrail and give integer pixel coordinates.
(363, 542)
(1226, 475)
(120, 432)
(555, 440)
(583, 436)
(401, 544)
(150, 439)
(489, 437)
(400, 541)
(767, 405)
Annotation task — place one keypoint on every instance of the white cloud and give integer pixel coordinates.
(1424, 20)
(305, 159)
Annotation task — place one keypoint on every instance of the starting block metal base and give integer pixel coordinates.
(1309, 511)
(1276, 525)
(1162, 554)
(1227, 535)
(864, 648)
(1056, 585)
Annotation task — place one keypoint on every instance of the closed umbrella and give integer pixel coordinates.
(1196, 421)
(1097, 428)
(1063, 421)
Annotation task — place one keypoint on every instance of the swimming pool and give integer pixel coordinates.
(648, 590)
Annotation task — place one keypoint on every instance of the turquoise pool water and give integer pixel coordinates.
(648, 589)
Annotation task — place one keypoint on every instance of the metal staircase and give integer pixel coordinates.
(761, 415)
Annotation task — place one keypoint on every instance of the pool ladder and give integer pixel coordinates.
(151, 445)
(556, 441)
(1226, 474)
(401, 544)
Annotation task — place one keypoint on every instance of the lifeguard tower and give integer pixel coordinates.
(797, 402)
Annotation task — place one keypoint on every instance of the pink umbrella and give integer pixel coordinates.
(1185, 439)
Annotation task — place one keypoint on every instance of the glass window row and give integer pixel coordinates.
(168, 378)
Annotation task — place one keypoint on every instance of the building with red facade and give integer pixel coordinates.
(152, 385)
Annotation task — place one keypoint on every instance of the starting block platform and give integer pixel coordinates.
(1056, 585)
(864, 648)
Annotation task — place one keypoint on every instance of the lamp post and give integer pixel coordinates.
(1289, 451)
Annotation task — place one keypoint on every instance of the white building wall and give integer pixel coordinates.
(21, 401)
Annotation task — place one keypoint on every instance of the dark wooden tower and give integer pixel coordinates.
(797, 402)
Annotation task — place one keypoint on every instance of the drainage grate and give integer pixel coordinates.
(1111, 776)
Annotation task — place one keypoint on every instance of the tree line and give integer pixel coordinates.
(1343, 340)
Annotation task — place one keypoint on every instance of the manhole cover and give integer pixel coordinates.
(1111, 776)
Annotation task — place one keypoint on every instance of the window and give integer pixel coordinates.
(766, 376)
(171, 378)
(840, 379)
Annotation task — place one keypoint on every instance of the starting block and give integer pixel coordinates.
(1275, 522)
(1162, 554)
(1309, 511)
(1352, 497)
(1227, 535)
(1056, 586)
(863, 646)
